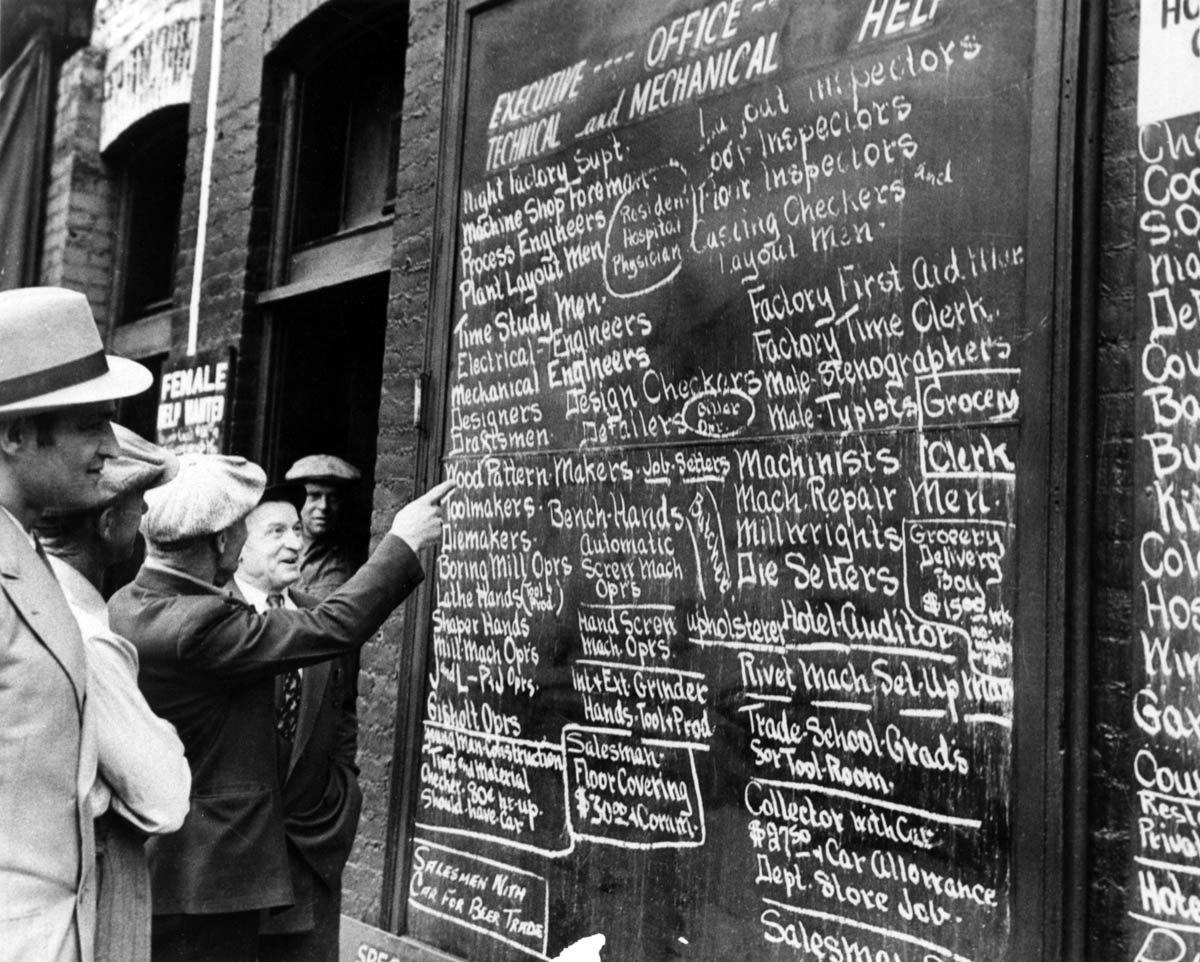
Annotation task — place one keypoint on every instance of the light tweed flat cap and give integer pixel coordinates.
(210, 492)
(140, 466)
(322, 467)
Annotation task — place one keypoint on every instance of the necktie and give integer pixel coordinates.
(287, 710)
(41, 553)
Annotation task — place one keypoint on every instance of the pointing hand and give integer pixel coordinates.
(419, 523)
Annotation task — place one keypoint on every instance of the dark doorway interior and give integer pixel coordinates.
(326, 371)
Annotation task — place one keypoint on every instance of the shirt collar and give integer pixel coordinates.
(155, 565)
(256, 597)
(80, 592)
(20, 527)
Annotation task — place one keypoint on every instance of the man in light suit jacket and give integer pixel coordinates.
(208, 666)
(56, 392)
(317, 723)
(143, 780)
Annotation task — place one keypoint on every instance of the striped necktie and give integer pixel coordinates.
(287, 708)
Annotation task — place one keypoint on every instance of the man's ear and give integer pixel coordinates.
(219, 541)
(106, 522)
(13, 435)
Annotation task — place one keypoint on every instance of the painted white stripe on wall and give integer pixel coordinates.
(210, 138)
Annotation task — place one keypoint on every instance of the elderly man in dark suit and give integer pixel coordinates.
(317, 723)
(56, 392)
(208, 665)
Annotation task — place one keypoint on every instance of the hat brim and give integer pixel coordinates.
(321, 479)
(125, 378)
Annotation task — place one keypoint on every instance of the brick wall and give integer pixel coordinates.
(284, 16)
(237, 237)
(77, 249)
(233, 252)
(82, 196)
(404, 351)
(1110, 794)
(235, 270)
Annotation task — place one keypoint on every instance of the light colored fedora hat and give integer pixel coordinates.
(51, 356)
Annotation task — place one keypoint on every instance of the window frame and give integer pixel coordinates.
(125, 158)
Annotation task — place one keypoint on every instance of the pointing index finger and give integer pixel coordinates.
(438, 492)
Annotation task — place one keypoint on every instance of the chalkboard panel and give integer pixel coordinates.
(739, 369)
(1164, 902)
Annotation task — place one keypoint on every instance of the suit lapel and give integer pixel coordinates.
(312, 694)
(39, 600)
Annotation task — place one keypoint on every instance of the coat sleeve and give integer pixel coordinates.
(233, 642)
(140, 757)
(324, 835)
(345, 750)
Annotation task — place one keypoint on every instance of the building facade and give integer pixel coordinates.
(312, 283)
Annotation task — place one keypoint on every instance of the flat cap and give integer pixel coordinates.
(140, 466)
(322, 467)
(210, 492)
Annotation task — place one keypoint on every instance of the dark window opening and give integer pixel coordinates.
(151, 159)
(348, 133)
(326, 386)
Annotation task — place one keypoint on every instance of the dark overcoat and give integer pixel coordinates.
(208, 666)
(321, 796)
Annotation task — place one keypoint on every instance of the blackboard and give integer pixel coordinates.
(1164, 889)
(738, 628)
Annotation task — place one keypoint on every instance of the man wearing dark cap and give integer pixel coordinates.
(144, 779)
(317, 724)
(208, 665)
(57, 389)
(326, 561)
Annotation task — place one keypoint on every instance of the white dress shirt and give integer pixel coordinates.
(257, 599)
(142, 768)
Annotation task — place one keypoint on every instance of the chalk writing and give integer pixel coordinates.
(733, 401)
(1164, 905)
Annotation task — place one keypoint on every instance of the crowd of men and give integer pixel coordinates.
(177, 766)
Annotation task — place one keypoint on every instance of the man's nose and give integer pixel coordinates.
(109, 447)
(292, 540)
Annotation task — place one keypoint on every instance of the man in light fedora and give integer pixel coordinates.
(208, 665)
(144, 779)
(57, 389)
(326, 561)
